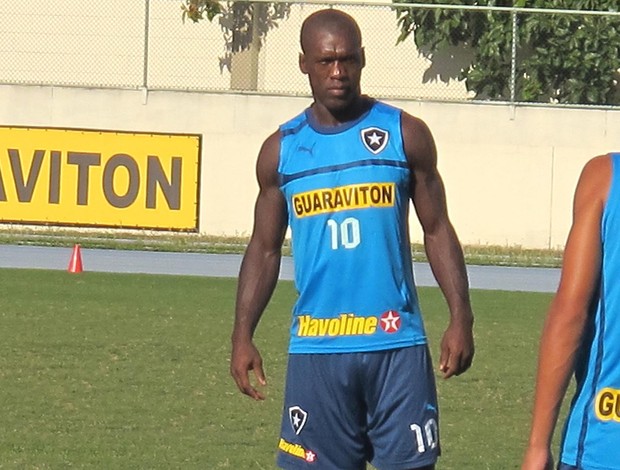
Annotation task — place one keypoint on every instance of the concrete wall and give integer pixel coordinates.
(510, 172)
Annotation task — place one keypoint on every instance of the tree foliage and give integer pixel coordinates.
(562, 58)
(243, 24)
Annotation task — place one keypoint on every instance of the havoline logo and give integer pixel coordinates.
(346, 324)
(296, 451)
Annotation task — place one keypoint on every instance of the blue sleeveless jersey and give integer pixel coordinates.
(347, 192)
(592, 432)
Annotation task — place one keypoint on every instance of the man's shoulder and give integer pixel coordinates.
(387, 108)
(294, 124)
(601, 165)
(383, 107)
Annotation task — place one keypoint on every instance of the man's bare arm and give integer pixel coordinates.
(259, 269)
(442, 246)
(566, 318)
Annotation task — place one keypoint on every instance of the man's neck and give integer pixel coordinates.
(333, 118)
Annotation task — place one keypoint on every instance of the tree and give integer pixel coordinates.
(244, 24)
(561, 58)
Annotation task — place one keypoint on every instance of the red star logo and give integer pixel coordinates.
(310, 456)
(390, 321)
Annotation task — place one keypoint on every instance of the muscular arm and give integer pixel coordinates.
(442, 246)
(566, 318)
(259, 269)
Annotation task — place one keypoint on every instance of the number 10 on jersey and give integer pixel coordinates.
(345, 234)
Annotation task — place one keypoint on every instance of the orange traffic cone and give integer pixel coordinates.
(75, 263)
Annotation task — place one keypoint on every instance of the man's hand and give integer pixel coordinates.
(457, 348)
(537, 459)
(244, 358)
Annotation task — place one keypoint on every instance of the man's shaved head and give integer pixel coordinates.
(334, 21)
(333, 58)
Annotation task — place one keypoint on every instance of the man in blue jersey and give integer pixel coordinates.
(582, 334)
(360, 386)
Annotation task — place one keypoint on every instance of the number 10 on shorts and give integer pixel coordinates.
(425, 437)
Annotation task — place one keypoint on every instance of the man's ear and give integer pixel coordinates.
(363, 57)
(302, 63)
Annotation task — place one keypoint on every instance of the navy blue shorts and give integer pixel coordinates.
(343, 410)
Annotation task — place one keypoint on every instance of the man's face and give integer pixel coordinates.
(333, 62)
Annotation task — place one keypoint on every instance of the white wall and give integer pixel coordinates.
(509, 172)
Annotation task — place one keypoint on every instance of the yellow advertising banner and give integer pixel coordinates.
(99, 178)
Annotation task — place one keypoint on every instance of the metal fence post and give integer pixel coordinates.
(513, 58)
(145, 69)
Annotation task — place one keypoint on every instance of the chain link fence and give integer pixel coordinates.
(501, 54)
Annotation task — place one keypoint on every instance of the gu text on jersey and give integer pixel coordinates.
(608, 405)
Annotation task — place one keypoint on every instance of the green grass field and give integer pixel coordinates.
(116, 371)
